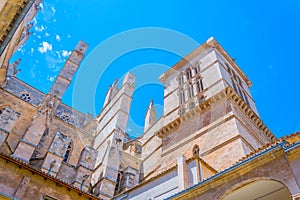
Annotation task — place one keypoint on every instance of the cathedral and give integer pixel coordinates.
(209, 144)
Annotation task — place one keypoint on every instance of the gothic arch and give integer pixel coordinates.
(188, 73)
(268, 188)
(196, 151)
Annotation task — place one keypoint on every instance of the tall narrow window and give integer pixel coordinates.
(68, 151)
(180, 89)
(234, 86)
(180, 79)
(120, 181)
(181, 97)
(246, 98)
(198, 67)
(189, 73)
(199, 85)
(190, 91)
(196, 70)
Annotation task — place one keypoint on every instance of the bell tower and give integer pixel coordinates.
(207, 102)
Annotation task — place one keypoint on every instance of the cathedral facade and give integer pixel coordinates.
(210, 142)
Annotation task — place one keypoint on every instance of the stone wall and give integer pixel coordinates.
(29, 184)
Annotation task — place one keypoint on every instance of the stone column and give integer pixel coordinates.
(195, 87)
(182, 173)
(198, 170)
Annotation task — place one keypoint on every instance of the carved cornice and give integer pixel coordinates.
(206, 105)
(245, 108)
(166, 130)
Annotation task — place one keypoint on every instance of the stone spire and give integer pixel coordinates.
(112, 91)
(150, 117)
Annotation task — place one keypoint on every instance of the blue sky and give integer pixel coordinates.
(262, 36)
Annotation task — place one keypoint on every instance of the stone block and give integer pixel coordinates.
(24, 151)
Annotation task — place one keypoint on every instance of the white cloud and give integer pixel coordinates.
(45, 47)
(39, 29)
(65, 53)
(57, 37)
(48, 11)
(58, 54)
(51, 78)
(53, 9)
(47, 34)
(31, 51)
(34, 21)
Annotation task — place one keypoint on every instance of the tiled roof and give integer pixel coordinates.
(286, 140)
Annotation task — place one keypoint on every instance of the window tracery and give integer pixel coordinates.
(26, 96)
(190, 88)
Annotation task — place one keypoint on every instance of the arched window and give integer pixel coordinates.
(189, 73)
(196, 69)
(199, 85)
(180, 88)
(196, 151)
(68, 151)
